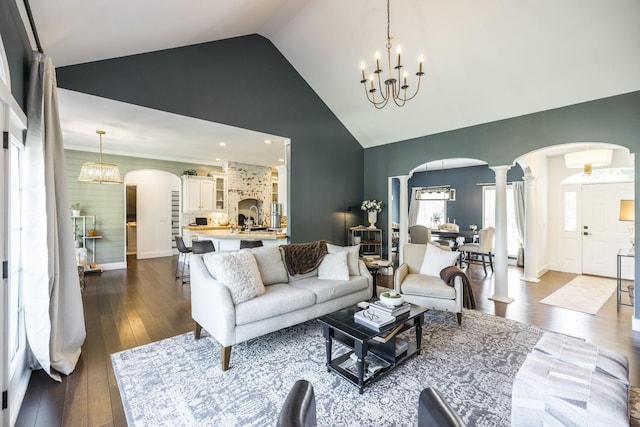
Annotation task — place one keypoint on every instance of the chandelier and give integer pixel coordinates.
(392, 88)
(100, 173)
(444, 193)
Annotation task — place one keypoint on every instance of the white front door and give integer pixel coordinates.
(602, 233)
(570, 230)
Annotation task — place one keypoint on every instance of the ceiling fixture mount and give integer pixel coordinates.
(100, 173)
(392, 88)
(587, 160)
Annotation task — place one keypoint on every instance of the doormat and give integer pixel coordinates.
(586, 294)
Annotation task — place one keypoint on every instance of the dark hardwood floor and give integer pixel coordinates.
(127, 308)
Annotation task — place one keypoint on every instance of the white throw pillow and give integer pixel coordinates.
(239, 272)
(353, 255)
(270, 264)
(334, 267)
(435, 260)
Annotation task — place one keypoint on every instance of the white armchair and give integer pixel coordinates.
(425, 290)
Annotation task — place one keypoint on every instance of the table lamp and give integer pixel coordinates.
(627, 213)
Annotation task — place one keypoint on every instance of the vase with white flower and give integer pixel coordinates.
(372, 207)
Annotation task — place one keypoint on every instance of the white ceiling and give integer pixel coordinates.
(160, 135)
(485, 61)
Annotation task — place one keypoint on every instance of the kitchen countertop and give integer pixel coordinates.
(204, 227)
(241, 235)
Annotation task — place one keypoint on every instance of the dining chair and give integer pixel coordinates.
(419, 234)
(475, 253)
(183, 252)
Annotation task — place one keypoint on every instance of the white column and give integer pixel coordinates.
(404, 215)
(500, 276)
(530, 248)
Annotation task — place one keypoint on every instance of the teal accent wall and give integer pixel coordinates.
(245, 82)
(615, 120)
(17, 48)
(106, 201)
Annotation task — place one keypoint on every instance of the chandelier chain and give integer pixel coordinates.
(394, 88)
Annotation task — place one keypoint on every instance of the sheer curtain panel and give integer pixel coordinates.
(54, 315)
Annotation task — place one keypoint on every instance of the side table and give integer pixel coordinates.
(374, 268)
(622, 253)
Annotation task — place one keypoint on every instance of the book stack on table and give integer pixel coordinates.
(395, 311)
(373, 319)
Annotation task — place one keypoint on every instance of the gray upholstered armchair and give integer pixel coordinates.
(428, 291)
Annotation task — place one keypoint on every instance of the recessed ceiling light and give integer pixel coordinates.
(281, 160)
(267, 141)
(223, 144)
(217, 159)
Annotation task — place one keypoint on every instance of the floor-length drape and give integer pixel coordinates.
(519, 202)
(518, 199)
(53, 304)
(413, 208)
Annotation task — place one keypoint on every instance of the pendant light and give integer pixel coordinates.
(100, 173)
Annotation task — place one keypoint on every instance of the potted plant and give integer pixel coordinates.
(75, 209)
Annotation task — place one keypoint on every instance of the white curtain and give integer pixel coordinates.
(54, 315)
(413, 207)
(518, 196)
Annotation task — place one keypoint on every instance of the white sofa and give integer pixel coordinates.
(428, 291)
(286, 302)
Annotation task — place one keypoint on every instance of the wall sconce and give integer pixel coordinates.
(627, 213)
(444, 193)
(587, 160)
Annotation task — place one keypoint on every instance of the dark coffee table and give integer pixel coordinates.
(367, 344)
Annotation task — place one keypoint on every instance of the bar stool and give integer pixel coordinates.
(244, 244)
(183, 251)
(202, 246)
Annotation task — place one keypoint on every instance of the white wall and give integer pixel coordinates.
(153, 214)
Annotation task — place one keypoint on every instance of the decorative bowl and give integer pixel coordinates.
(391, 299)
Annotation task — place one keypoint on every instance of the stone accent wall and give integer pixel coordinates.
(249, 182)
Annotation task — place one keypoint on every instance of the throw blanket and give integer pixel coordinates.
(301, 258)
(449, 274)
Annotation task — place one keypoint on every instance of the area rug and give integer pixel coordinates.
(178, 381)
(586, 294)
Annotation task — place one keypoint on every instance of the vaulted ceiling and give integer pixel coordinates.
(484, 60)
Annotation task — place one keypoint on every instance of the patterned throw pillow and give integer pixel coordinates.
(435, 260)
(239, 272)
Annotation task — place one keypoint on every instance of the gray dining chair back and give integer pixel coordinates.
(419, 234)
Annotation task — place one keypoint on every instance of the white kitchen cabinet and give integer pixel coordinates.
(198, 193)
(220, 192)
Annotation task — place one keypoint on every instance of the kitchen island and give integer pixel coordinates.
(225, 240)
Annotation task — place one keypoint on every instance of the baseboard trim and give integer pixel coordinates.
(114, 266)
(157, 254)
